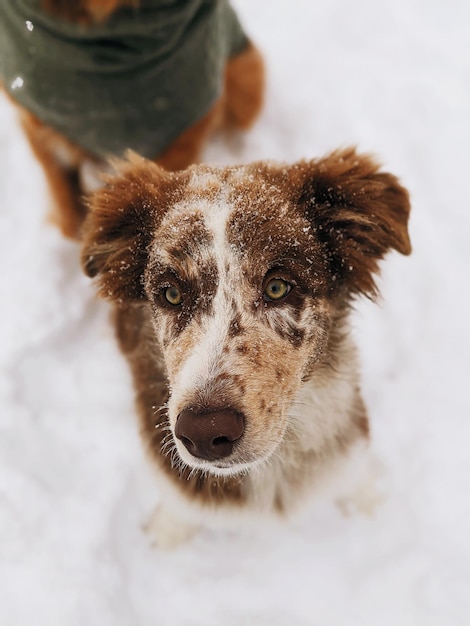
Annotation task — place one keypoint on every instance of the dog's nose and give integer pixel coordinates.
(210, 435)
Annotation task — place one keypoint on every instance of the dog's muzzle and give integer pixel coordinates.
(210, 435)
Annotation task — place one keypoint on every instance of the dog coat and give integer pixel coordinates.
(136, 81)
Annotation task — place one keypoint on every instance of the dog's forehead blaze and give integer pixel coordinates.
(183, 241)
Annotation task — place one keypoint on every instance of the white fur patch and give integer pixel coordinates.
(203, 365)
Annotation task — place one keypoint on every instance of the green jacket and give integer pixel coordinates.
(137, 81)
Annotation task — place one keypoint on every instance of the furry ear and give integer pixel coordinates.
(359, 214)
(120, 224)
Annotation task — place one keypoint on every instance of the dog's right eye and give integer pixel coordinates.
(173, 295)
(276, 289)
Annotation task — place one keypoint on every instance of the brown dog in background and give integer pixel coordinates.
(71, 169)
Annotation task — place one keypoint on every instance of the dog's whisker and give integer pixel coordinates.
(170, 446)
(161, 419)
(192, 473)
(168, 437)
(166, 447)
(158, 409)
(160, 427)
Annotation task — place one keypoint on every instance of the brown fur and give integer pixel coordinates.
(244, 89)
(331, 221)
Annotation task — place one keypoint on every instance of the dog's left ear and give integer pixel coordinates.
(358, 212)
(119, 227)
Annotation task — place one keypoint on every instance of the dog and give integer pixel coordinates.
(92, 78)
(232, 289)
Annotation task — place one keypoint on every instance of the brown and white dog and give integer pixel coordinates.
(232, 289)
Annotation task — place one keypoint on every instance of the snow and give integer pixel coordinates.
(75, 488)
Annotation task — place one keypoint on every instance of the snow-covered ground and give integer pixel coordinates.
(393, 77)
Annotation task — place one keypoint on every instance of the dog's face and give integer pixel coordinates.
(239, 314)
(245, 269)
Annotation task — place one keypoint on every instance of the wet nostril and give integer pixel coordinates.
(220, 441)
(187, 442)
(210, 435)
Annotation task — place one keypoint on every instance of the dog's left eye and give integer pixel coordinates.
(276, 289)
(173, 295)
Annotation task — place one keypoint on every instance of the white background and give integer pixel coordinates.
(393, 77)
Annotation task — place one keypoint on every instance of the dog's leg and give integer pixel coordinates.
(237, 108)
(61, 163)
(364, 488)
(166, 532)
(186, 149)
(244, 88)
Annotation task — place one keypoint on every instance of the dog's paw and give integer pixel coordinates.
(166, 532)
(368, 493)
(365, 500)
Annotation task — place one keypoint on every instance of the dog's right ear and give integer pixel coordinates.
(358, 212)
(119, 227)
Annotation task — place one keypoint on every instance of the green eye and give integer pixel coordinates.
(276, 289)
(173, 295)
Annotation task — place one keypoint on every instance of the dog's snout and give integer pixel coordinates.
(209, 435)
